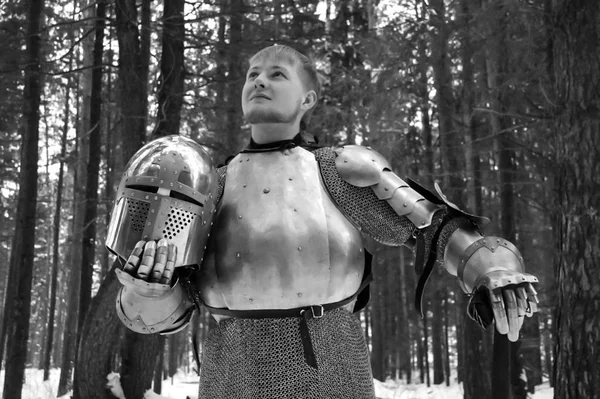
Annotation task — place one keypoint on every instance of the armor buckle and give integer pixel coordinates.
(320, 311)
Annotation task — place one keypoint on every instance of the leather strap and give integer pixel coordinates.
(431, 259)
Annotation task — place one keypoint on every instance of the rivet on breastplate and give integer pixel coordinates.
(247, 159)
(299, 294)
(266, 190)
(239, 216)
(241, 160)
(404, 205)
(250, 299)
(360, 250)
(244, 185)
(238, 254)
(299, 248)
(295, 209)
(290, 179)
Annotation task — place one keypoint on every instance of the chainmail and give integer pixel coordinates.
(222, 175)
(264, 358)
(361, 206)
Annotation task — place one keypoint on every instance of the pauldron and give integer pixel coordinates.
(373, 217)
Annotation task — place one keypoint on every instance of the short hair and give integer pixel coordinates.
(308, 74)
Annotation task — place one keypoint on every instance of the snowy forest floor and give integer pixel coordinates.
(186, 385)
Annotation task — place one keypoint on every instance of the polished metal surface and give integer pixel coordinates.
(168, 191)
(405, 200)
(279, 241)
(491, 261)
(364, 167)
(147, 308)
(360, 166)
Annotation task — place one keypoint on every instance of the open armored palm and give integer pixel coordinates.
(498, 297)
(152, 261)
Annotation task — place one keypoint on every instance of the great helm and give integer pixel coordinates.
(167, 191)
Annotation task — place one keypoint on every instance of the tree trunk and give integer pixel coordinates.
(98, 337)
(235, 77)
(88, 240)
(138, 352)
(426, 345)
(21, 257)
(376, 309)
(145, 48)
(446, 342)
(506, 368)
(172, 70)
(474, 354)
(436, 336)
(406, 344)
(72, 323)
(56, 236)
(577, 144)
(445, 99)
(131, 89)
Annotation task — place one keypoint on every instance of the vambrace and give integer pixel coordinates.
(148, 308)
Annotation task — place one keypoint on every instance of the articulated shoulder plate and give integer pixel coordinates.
(360, 166)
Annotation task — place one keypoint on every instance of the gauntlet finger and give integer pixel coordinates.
(147, 261)
(499, 312)
(160, 260)
(513, 314)
(522, 305)
(532, 299)
(167, 274)
(134, 259)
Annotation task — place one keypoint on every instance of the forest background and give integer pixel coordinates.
(497, 100)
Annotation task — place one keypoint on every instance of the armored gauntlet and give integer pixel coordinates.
(491, 270)
(148, 308)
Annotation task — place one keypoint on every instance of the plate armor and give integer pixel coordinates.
(279, 241)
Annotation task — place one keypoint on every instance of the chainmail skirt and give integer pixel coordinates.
(264, 359)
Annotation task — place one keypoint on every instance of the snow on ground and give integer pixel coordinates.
(391, 389)
(186, 385)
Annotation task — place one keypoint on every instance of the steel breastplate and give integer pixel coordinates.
(278, 241)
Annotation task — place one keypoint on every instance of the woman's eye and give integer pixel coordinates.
(252, 75)
(277, 73)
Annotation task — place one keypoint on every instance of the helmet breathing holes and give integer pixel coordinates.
(178, 220)
(138, 212)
